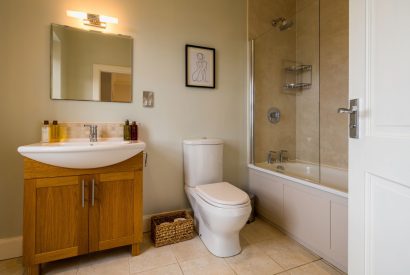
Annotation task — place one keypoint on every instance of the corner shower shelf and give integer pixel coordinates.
(298, 77)
(297, 85)
(299, 68)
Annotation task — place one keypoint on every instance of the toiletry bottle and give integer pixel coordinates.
(45, 132)
(127, 130)
(54, 136)
(62, 132)
(134, 131)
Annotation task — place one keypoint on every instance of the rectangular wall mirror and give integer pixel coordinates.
(90, 65)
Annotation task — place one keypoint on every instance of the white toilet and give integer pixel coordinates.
(221, 209)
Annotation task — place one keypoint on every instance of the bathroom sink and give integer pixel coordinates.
(82, 154)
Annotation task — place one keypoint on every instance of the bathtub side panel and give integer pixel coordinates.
(315, 218)
(339, 242)
(269, 195)
(307, 216)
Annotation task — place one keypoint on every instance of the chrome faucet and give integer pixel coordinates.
(283, 156)
(271, 157)
(93, 132)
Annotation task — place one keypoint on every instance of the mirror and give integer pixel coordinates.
(90, 65)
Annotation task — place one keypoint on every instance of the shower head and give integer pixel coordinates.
(282, 23)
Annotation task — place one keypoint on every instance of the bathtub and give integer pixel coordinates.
(312, 212)
(333, 178)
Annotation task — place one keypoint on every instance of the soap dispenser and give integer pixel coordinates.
(127, 130)
(134, 131)
(45, 132)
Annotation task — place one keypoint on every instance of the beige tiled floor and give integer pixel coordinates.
(265, 250)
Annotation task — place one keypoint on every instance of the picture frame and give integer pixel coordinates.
(199, 67)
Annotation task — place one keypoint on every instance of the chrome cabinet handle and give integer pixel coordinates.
(146, 159)
(82, 193)
(92, 191)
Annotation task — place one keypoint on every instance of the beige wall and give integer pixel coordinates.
(272, 47)
(311, 129)
(334, 81)
(330, 89)
(160, 29)
(307, 101)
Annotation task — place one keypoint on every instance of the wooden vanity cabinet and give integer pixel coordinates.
(69, 212)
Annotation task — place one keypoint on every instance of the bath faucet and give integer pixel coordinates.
(283, 155)
(93, 132)
(271, 157)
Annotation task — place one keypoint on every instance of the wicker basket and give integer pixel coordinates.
(164, 230)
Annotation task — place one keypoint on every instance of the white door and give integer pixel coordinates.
(379, 161)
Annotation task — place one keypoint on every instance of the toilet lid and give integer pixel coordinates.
(222, 193)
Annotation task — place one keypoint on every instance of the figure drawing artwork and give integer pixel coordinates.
(200, 66)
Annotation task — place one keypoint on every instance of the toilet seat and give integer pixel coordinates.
(222, 195)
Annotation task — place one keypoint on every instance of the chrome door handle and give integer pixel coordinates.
(353, 112)
(82, 193)
(348, 111)
(92, 191)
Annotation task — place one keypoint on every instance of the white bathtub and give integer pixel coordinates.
(313, 213)
(334, 178)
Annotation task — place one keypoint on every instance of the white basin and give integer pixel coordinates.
(82, 154)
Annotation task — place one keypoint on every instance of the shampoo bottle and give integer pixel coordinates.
(54, 135)
(127, 130)
(134, 131)
(62, 132)
(45, 132)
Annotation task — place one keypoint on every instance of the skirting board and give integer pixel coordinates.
(12, 247)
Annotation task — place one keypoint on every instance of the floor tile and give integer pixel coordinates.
(189, 250)
(62, 267)
(151, 258)
(11, 267)
(265, 250)
(116, 267)
(253, 261)
(260, 231)
(173, 269)
(287, 253)
(206, 265)
(107, 256)
(315, 268)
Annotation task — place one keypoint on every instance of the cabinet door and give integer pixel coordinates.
(112, 215)
(59, 217)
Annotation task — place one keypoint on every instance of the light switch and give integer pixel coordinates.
(148, 99)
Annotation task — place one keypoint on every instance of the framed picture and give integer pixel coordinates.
(199, 67)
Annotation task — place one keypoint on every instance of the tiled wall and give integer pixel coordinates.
(73, 130)
(272, 47)
(307, 101)
(310, 129)
(334, 81)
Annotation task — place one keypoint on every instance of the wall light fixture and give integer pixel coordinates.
(91, 19)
